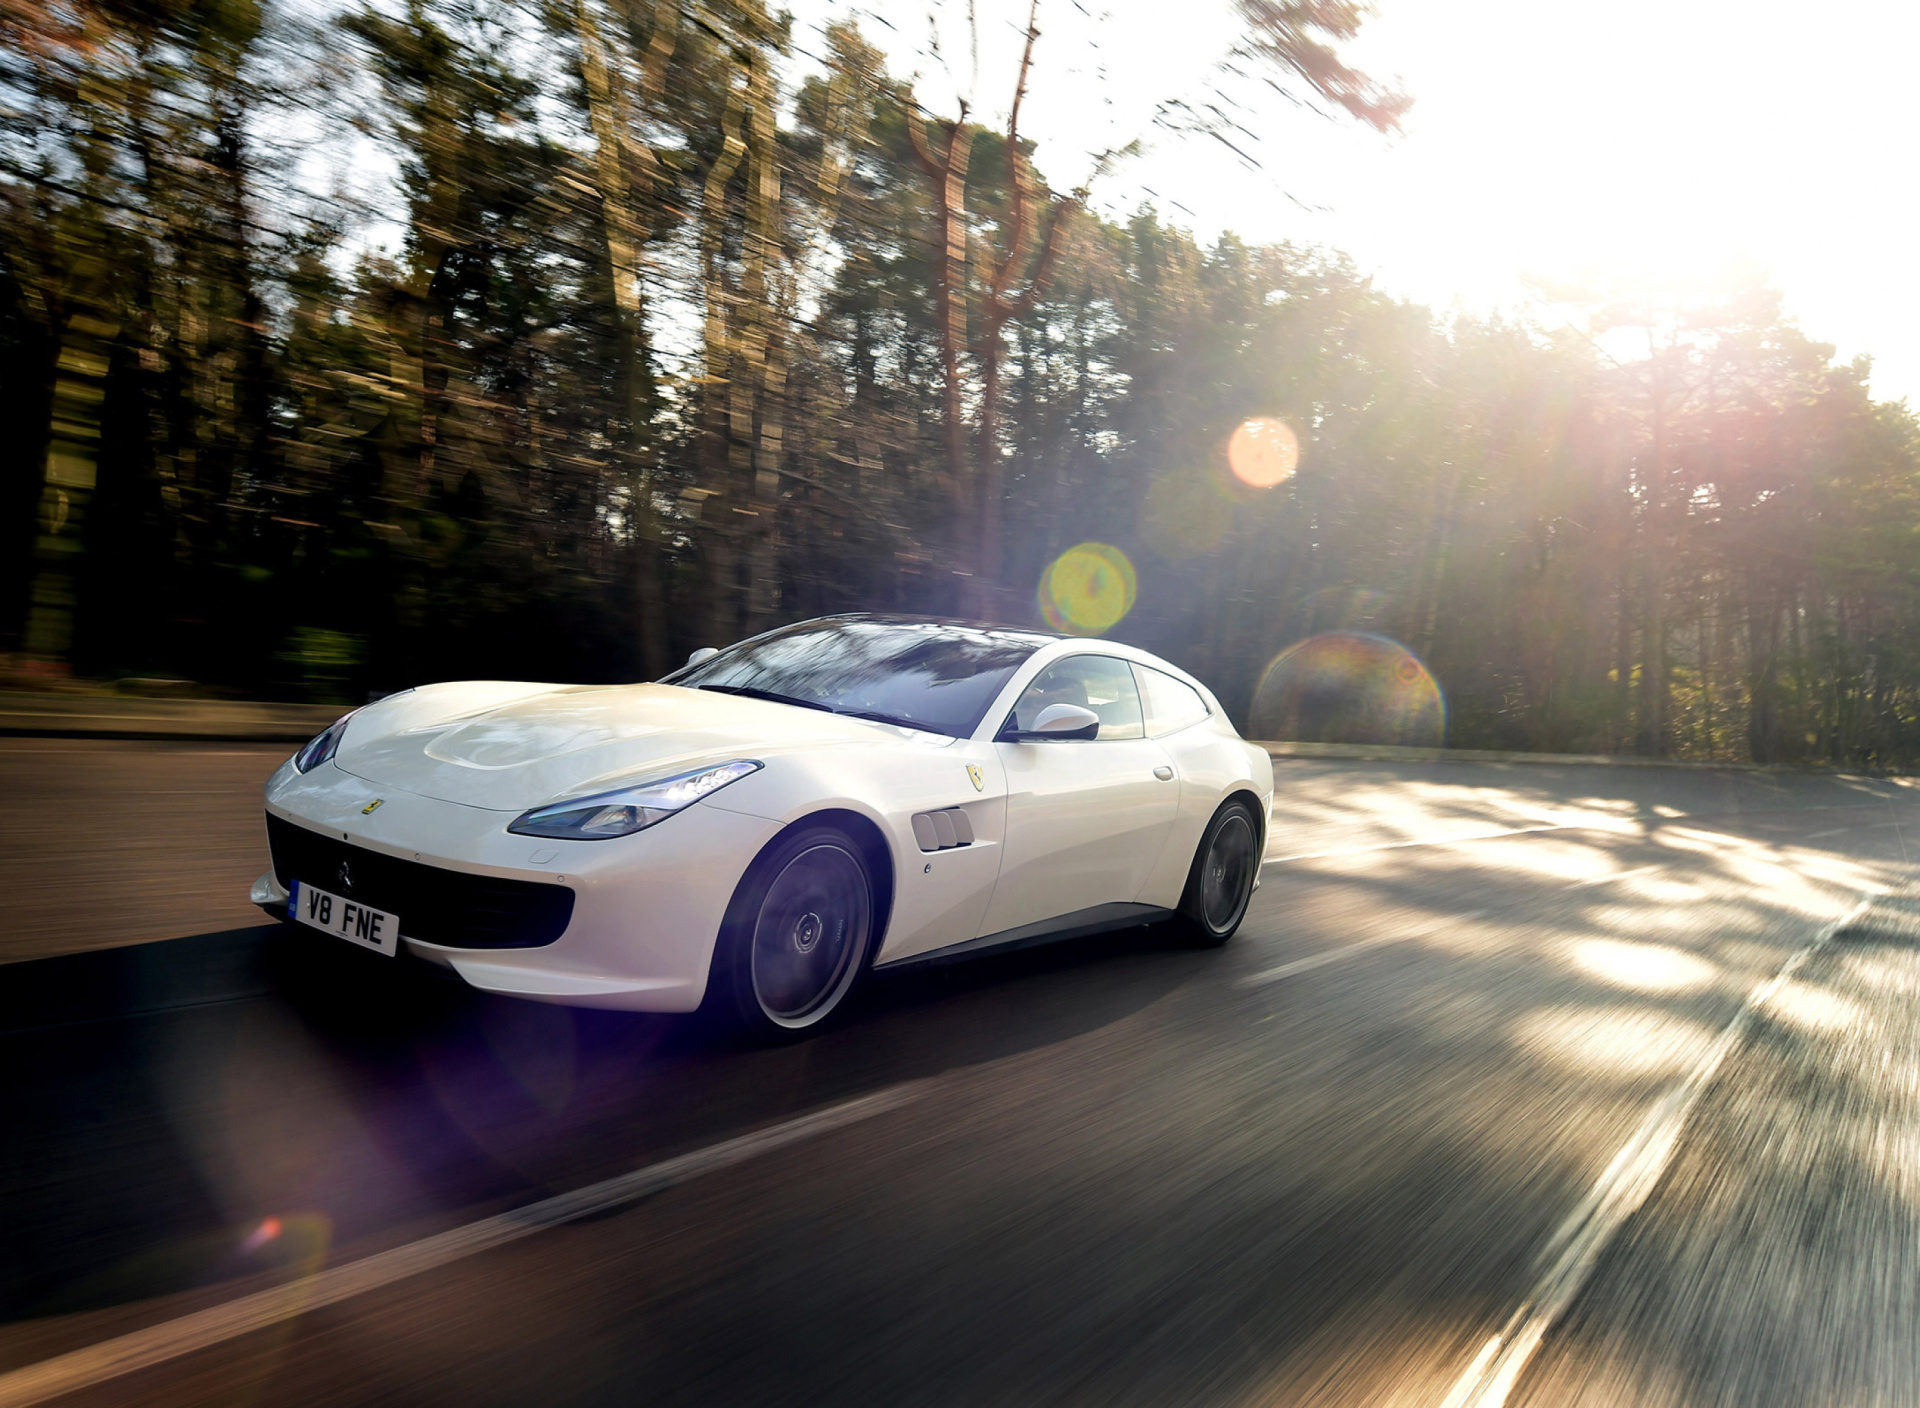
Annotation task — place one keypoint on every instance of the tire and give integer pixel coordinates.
(797, 937)
(1225, 867)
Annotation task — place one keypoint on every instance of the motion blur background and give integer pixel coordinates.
(1452, 372)
(345, 346)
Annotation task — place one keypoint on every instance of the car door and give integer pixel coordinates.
(1086, 818)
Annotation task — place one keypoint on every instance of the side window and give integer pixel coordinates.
(1170, 704)
(1096, 682)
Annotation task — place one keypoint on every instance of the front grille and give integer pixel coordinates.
(435, 906)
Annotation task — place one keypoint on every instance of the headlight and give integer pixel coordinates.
(627, 809)
(324, 746)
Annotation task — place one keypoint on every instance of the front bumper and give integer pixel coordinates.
(646, 909)
(270, 895)
(443, 906)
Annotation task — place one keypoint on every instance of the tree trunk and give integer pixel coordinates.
(625, 231)
(947, 172)
(1623, 650)
(1650, 739)
(768, 367)
(72, 470)
(724, 364)
(1763, 656)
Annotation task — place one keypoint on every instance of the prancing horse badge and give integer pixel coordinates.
(979, 782)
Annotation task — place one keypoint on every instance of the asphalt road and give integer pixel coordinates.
(107, 842)
(1481, 1082)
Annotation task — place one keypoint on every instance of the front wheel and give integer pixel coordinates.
(1224, 870)
(797, 935)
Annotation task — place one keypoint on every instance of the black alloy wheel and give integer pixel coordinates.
(1224, 870)
(798, 935)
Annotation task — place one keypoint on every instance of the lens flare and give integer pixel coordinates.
(1349, 687)
(1263, 452)
(1087, 589)
(267, 1231)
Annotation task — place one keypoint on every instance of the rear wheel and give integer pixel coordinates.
(797, 935)
(1224, 869)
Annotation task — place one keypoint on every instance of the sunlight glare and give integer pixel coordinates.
(1815, 1009)
(1642, 967)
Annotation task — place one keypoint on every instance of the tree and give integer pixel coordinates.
(678, 341)
(1298, 37)
(1022, 250)
(620, 86)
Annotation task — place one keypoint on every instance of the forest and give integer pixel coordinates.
(348, 347)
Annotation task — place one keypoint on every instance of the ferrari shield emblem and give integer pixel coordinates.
(979, 782)
(371, 807)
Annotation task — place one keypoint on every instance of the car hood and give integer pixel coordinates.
(566, 741)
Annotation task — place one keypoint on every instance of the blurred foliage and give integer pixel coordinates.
(324, 661)
(670, 345)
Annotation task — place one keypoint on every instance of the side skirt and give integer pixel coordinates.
(1098, 920)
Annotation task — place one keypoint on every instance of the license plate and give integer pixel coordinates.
(344, 918)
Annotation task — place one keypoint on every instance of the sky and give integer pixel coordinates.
(1674, 140)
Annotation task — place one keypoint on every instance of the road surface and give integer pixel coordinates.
(1531, 1085)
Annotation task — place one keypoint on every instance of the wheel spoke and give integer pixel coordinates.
(1226, 877)
(810, 935)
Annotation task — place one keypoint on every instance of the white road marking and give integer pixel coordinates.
(1576, 1246)
(1334, 955)
(1317, 960)
(1430, 841)
(1843, 830)
(1520, 831)
(142, 1349)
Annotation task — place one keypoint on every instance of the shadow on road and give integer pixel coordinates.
(184, 1095)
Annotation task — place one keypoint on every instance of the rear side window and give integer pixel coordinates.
(1170, 704)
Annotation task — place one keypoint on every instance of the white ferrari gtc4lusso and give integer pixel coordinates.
(760, 828)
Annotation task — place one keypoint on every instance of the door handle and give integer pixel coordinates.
(1164, 773)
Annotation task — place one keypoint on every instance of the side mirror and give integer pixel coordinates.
(702, 655)
(1063, 721)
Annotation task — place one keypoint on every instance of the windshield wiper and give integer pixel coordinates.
(747, 691)
(897, 720)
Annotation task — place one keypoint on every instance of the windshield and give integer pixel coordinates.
(932, 675)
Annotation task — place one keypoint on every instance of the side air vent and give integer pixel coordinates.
(943, 830)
